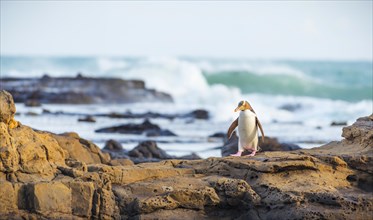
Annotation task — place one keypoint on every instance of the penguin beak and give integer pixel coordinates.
(237, 109)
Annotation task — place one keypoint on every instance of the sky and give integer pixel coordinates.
(333, 30)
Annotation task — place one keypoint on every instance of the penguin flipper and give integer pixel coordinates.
(231, 128)
(260, 127)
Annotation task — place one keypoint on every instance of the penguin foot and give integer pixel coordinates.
(238, 154)
(252, 153)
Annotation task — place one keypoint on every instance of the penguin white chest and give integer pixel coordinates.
(247, 130)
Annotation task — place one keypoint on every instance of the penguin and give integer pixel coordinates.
(248, 124)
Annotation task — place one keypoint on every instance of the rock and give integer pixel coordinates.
(146, 127)
(82, 196)
(270, 144)
(80, 90)
(88, 119)
(148, 150)
(42, 177)
(7, 107)
(192, 156)
(199, 114)
(30, 113)
(32, 103)
(50, 197)
(8, 198)
(81, 149)
(113, 145)
(360, 132)
(121, 162)
(291, 107)
(218, 135)
(338, 123)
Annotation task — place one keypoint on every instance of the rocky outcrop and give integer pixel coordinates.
(145, 151)
(42, 177)
(80, 90)
(147, 128)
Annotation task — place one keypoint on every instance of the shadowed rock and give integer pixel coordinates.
(147, 128)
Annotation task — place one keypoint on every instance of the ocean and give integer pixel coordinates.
(296, 101)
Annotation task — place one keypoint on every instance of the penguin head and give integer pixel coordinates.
(243, 105)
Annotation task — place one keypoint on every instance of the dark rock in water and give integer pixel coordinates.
(338, 123)
(81, 90)
(291, 107)
(230, 146)
(199, 114)
(159, 132)
(148, 151)
(87, 119)
(270, 144)
(146, 127)
(192, 156)
(113, 145)
(218, 135)
(31, 113)
(115, 150)
(32, 103)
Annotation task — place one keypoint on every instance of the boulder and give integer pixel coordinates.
(148, 150)
(81, 149)
(88, 118)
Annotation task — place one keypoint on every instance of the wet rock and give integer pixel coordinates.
(291, 107)
(88, 119)
(115, 149)
(272, 144)
(199, 114)
(218, 135)
(30, 113)
(32, 103)
(146, 127)
(113, 145)
(148, 151)
(192, 156)
(81, 90)
(338, 123)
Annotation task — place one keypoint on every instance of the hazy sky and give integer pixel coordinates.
(253, 29)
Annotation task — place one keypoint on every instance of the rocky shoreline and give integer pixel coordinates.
(50, 176)
(80, 90)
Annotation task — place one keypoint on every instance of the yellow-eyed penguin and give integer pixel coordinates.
(248, 125)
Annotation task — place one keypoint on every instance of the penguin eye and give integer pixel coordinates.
(240, 103)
